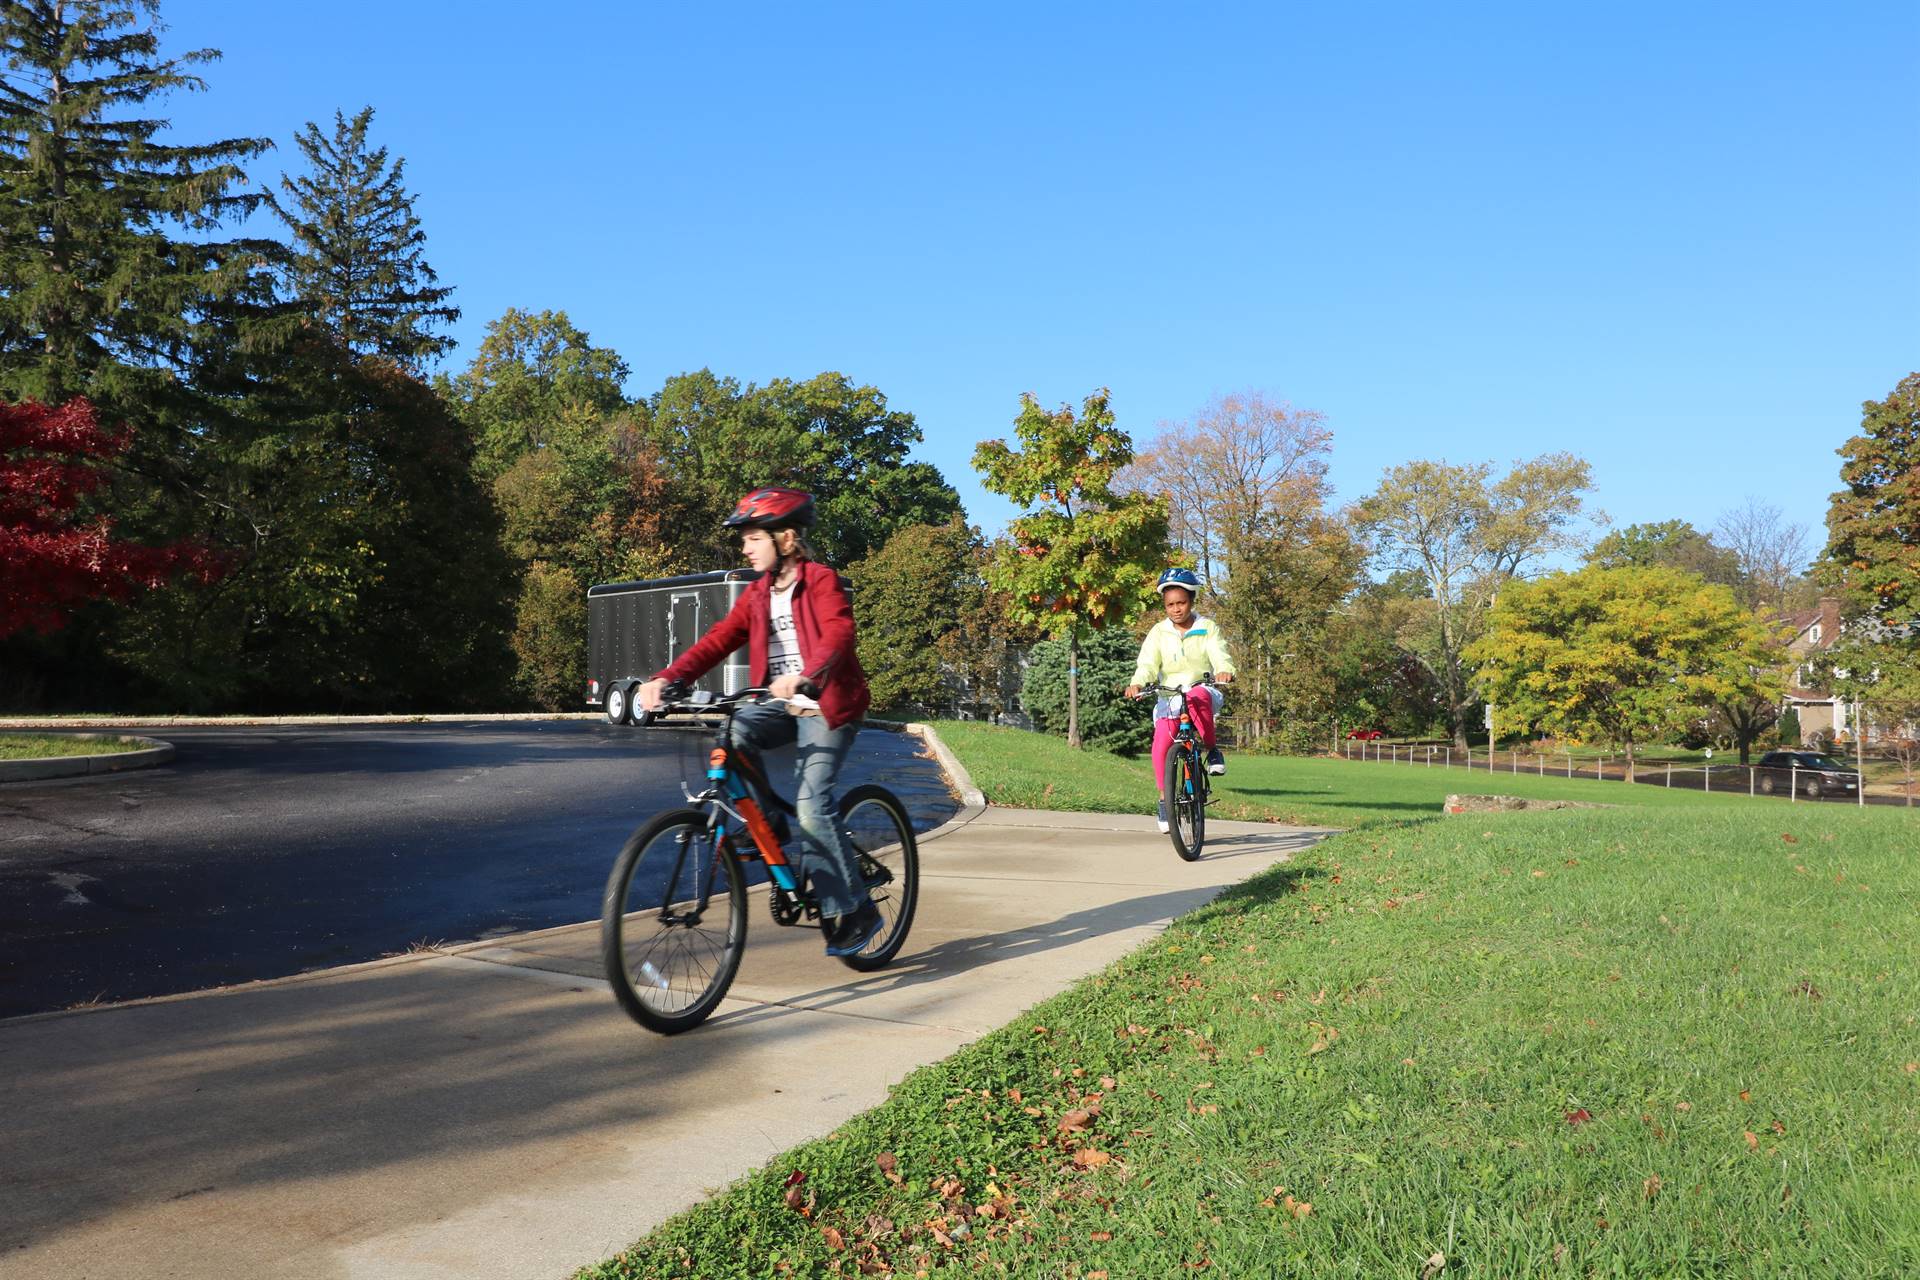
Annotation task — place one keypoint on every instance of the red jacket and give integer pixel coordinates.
(823, 622)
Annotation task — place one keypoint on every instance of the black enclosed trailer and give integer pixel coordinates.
(636, 628)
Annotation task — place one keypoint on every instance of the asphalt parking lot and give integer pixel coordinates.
(262, 851)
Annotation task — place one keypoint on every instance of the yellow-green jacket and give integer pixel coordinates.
(1171, 656)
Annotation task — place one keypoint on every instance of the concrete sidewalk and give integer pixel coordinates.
(489, 1111)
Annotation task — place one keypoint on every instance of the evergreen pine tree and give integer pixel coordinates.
(357, 264)
(109, 261)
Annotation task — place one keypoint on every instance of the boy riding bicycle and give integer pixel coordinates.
(1178, 650)
(798, 629)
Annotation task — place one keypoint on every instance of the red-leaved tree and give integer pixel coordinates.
(52, 559)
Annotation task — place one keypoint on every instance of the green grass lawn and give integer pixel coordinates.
(40, 746)
(1680, 1037)
(1028, 770)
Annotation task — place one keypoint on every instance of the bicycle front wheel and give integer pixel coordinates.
(1186, 804)
(673, 922)
(876, 827)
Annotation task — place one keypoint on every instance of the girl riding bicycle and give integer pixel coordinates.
(798, 629)
(1178, 650)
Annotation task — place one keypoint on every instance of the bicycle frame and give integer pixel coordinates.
(732, 794)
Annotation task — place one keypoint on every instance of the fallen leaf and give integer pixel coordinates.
(795, 1178)
(1779, 1128)
(1683, 1106)
(1559, 1253)
(1013, 1095)
(1579, 1117)
(1106, 1082)
(1032, 1111)
(1911, 1067)
(1096, 1275)
(1436, 1263)
(1790, 839)
(833, 1238)
(1753, 1140)
(1101, 1236)
(1209, 1109)
(794, 1199)
(1040, 1031)
(1075, 1120)
(1651, 1187)
(1539, 875)
(888, 1165)
(1746, 1095)
(1088, 1158)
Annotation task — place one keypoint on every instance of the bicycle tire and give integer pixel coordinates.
(1185, 808)
(695, 967)
(876, 826)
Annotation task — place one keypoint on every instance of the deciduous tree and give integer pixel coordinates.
(1873, 525)
(1466, 535)
(54, 556)
(536, 380)
(1772, 554)
(907, 597)
(1625, 656)
(1674, 544)
(1083, 557)
(1245, 485)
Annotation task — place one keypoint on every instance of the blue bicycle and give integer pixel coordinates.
(1186, 775)
(673, 922)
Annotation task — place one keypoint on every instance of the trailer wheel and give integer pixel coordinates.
(619, 704)
(645, 718)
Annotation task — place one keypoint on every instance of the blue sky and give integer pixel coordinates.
(1678, 240)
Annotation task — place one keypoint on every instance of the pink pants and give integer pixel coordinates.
(1200, 707)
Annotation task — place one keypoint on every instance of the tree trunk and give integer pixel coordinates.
(1629, 759)
(1073, 688)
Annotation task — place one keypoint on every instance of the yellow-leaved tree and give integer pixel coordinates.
(1623, 656)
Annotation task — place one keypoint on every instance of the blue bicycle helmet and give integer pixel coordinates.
(1186, 579)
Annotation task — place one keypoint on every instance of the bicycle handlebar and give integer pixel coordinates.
(1206, 679)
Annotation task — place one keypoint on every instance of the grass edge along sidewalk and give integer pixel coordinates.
(1676, 1038)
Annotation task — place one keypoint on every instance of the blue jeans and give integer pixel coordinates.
(825, 860)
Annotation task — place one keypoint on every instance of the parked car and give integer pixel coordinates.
(1814, 772)
(1364, 735)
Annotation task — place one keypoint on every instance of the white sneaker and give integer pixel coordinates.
(1162, 819)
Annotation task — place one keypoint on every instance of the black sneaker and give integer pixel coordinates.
(1216, 762)
(849, 935)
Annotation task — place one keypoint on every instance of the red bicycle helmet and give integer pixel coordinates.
(773, 508)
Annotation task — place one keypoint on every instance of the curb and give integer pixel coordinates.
(155, 752)
(971, 797)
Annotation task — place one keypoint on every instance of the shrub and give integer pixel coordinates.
(1789, 727)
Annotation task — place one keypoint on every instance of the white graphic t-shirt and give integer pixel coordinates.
(783, 644)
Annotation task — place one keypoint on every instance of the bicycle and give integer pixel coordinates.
(673, 921)
(1186, 776)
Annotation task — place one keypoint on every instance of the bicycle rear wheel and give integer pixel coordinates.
(1186, 804)
(876, 827)
(673, 922)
